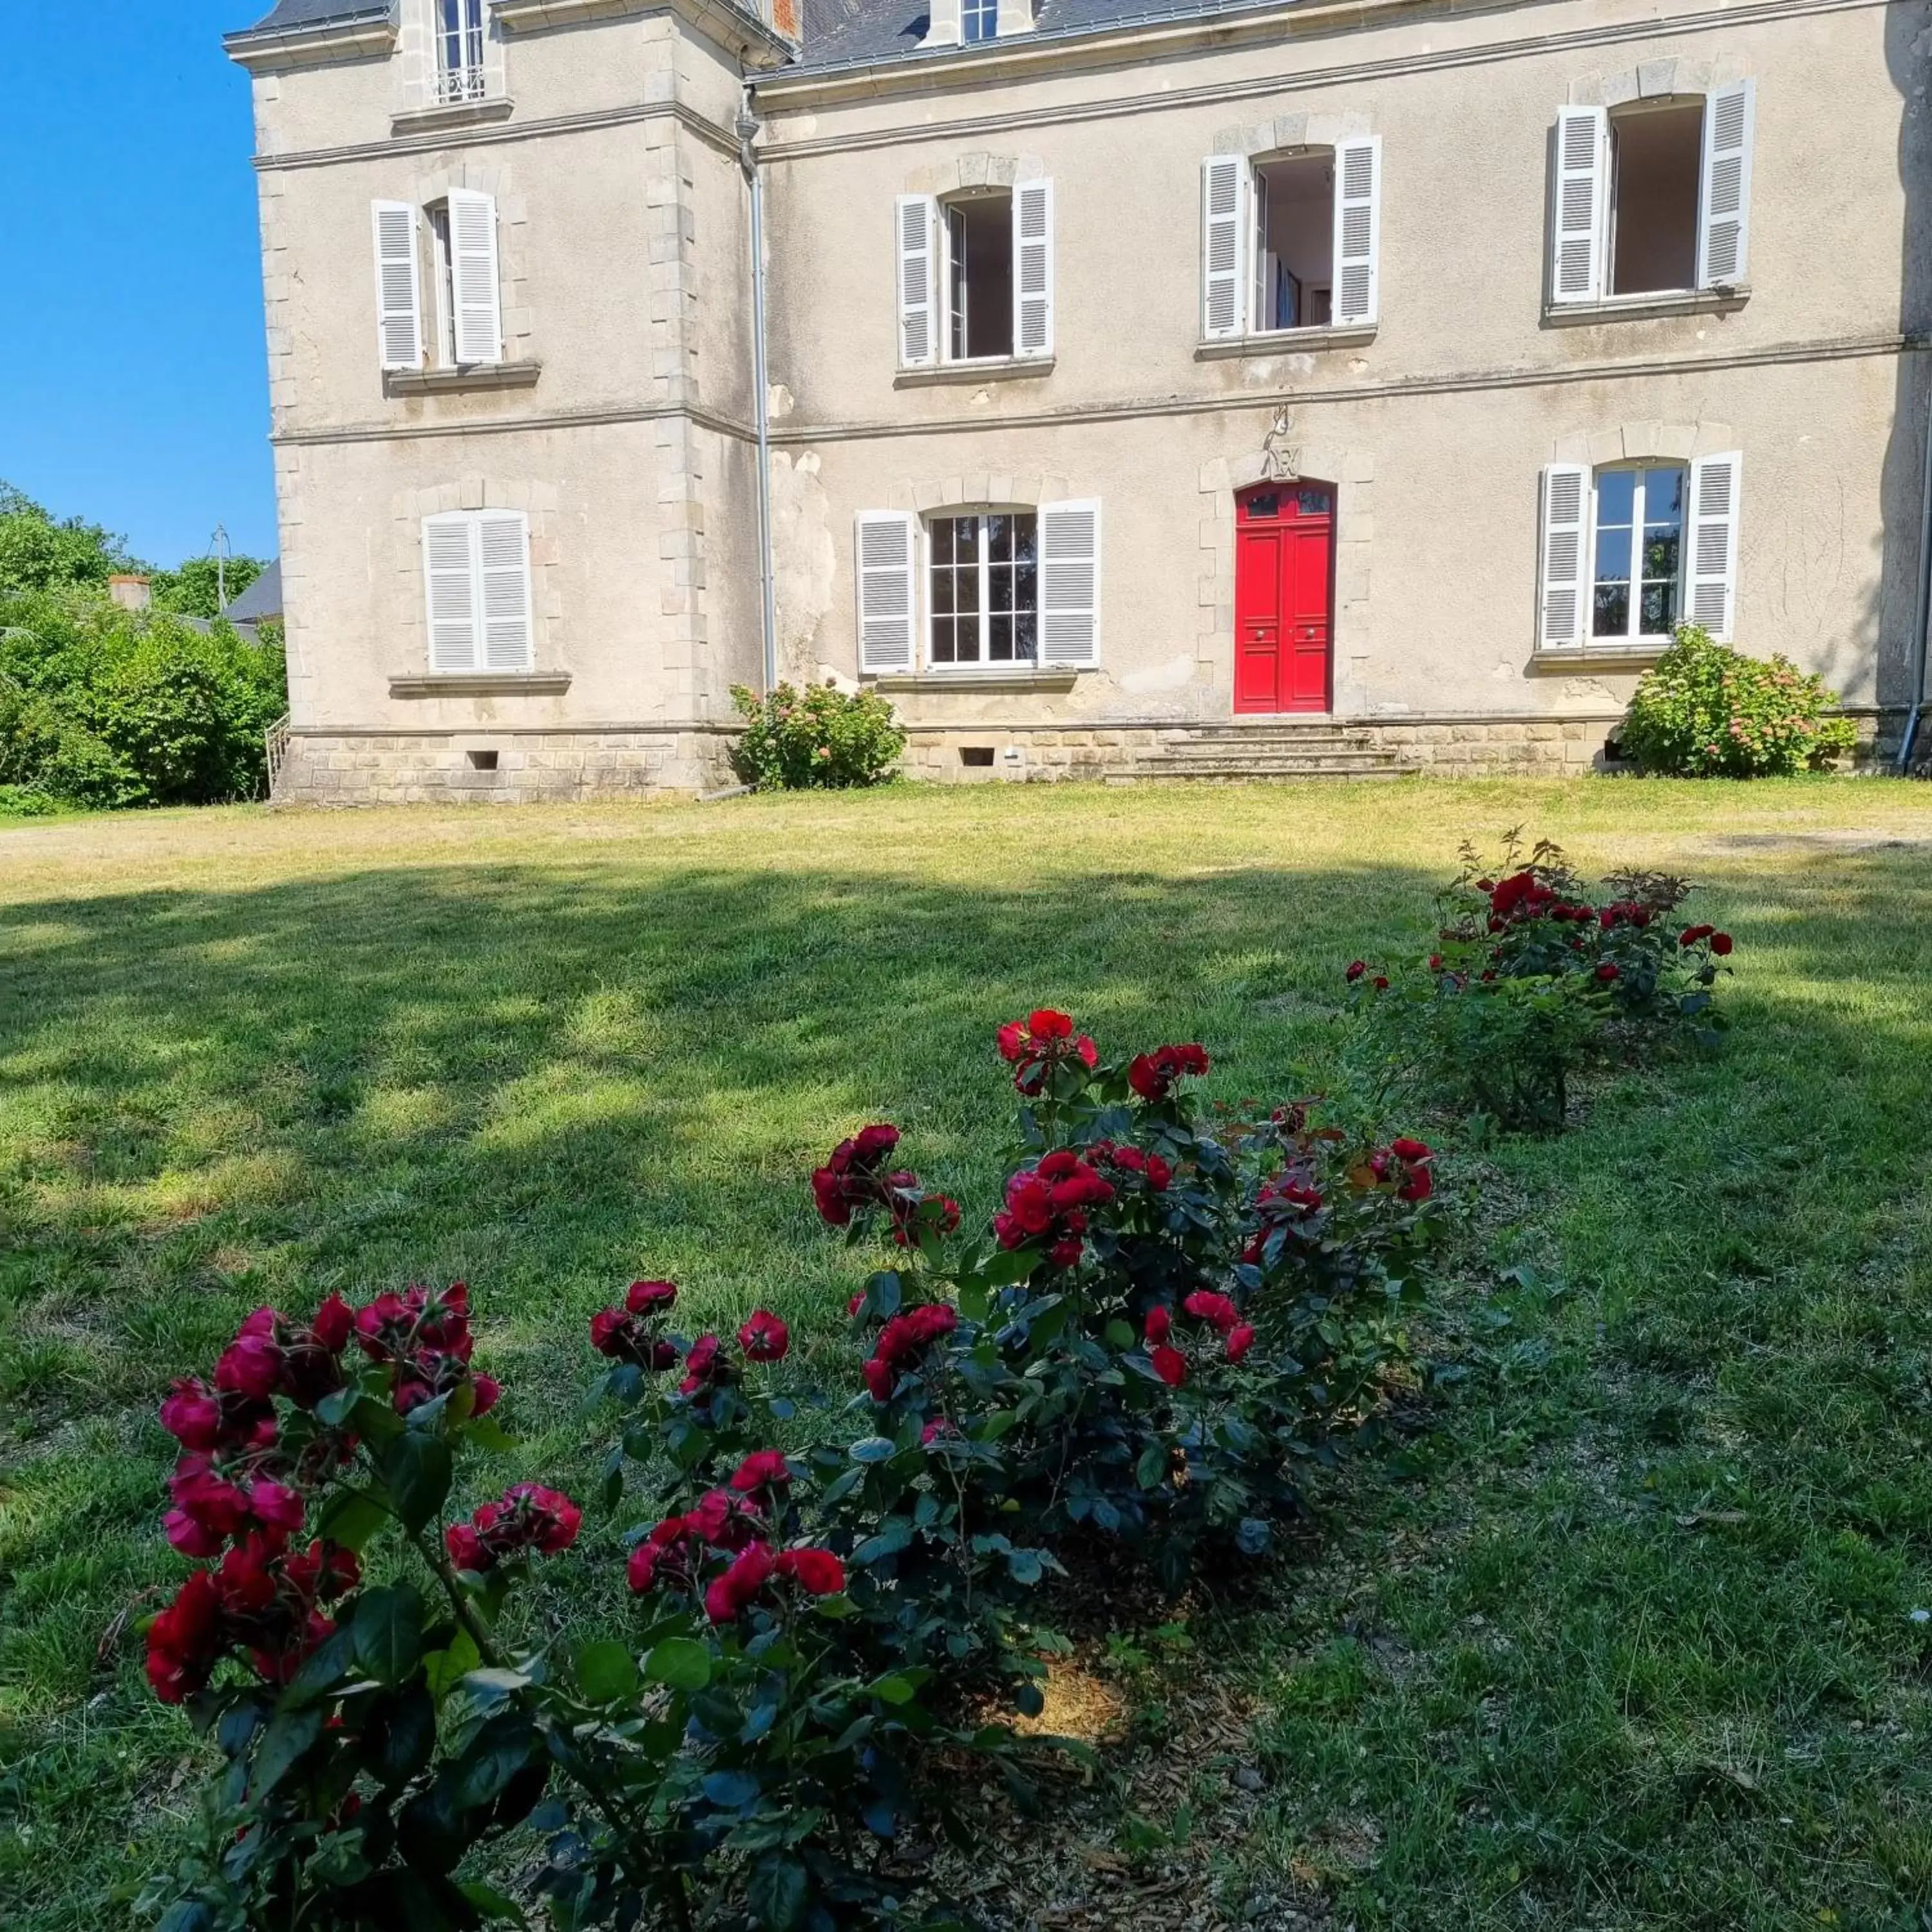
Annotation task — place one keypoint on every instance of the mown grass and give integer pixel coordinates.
(1625, 1641)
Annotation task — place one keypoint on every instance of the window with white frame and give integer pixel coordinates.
(985, 588)
(476, 574)
(976, 275)
(1631, 550)
(979, 20)
(1653, 196)
(983, 574)
(1291, 241)
(459, 49)
(452, 245)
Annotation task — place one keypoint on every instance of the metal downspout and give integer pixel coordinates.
(748, 159)
(1922, 604)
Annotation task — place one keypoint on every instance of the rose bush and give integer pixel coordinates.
(1170, 1317)
(1532, 977)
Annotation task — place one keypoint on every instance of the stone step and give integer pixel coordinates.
(1361, 766)
(1338, 774)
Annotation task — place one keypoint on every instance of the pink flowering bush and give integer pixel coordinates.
(1532, 976)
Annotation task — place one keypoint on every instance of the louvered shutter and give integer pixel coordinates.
(1224, 181)
(503, 576)
(1032, 268)
(1358, 221)
(916, 217)
(1713, 543)
(472, 274)
(450, 573)
(1069, 584)
(1723, 226)
(398, 286)
(1566, 550)
(1583, 147)
(887, 556)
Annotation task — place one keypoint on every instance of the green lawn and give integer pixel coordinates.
(1626, 1640)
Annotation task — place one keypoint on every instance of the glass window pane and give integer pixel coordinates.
(1024, 625)
(1023, 539)
(966, 642)
(1660, 609)
(942, 592)
(1663, 551)
(999, 539)
(1312, 502)
(1616, 491)
(1613, 555)
(1664, 496)
(1269, 505)
(942, 540)
(1000, 641)
(942, 640)
(966, 590)
(1026, 590)
(1610, 618)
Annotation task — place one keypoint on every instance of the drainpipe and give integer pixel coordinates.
(1922, 603)
(748, 159)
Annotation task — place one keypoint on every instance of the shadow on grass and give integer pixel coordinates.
(546, 1078)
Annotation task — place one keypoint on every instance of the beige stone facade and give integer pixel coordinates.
(613, 433)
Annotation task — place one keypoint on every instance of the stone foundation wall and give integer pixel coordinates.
(456, 768)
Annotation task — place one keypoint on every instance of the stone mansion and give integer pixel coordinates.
(1119, 385)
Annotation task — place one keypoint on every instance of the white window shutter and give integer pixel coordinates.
(915, 217)
(1032, 268)
(1712, 601)
(1224, 195)
(1723, 224)
(398, 286)
(888, 554)
(472, 271)
(1583, 194)
(1358, 222)
(1261, 312)
(503, 584)
(1565, 544)
(449, 573)
(1069, 584)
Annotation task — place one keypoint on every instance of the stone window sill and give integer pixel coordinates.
(1287, 342)
(1647, 307)
(1616, 657)
(990, 369)
(483, 684)
(451, 114)
(454, 381)
(978, 679)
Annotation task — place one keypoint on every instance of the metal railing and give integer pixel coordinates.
(275, 745)
(460, 83)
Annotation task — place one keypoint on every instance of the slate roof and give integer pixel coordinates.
(854, 33)
(262, 598)
(288, 14)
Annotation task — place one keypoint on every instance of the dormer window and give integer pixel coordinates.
(979, 20)
(459, 49)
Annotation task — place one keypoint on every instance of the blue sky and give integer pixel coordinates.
(134, 382)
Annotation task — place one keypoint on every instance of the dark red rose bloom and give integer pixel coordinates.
(650, 1298)
(1721, 944)
(881, 1379)
(606, 1329)
(1608, 971)
(1045, 1040)
(334, 1322)
(1240, 1339)
(762, 1469)
(664, 1554)
(465, 1546)
(764, 1338)
(902, 1340)
(529, 1519)
(184, 1641)
(733, 1593)
(1435, 962)
(1521, 896)
(854, 1179)
(192, 1415)
(1691, 935)
(1205, 1305)
(1159, 1324)
(1169, 1364)
(1152, 1075)
(1048, 1204)
(1380, 982)
(855, 1303)
(817, 1572)
(705, 1367)
(1406, 1149)
(488, 1392)
(1356, 968)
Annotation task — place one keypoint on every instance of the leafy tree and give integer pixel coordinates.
(38, 553)
(194, 590)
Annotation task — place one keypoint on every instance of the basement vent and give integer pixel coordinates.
(482, 761)
(975, 755)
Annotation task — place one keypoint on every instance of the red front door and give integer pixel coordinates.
(1284, 554)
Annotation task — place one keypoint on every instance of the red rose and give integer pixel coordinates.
(1435, 962)
(334, 1322)
(1691, 935)
(1205, 1305)
(1159, 1324)
(817, 1572)
(1240, 1339)
(192, 1415)
(1356, 968)
(1405, 1149)
(274, 1506)
(1608, 971)
(1380, 983)
(857, 1302)
(465, 1547)
(650, 1298)
(1011, 1038)
(703, 1366)
(880, 1378)
(487, 1390)
(764, 1338)
(1169, 1364)
(608, 1329)
(763, 1468)
(732, 1594)
(1721, 944)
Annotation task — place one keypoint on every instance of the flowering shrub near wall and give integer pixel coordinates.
(1532, 975)
(1140, 1353)
(818, 737)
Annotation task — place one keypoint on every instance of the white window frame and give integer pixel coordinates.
(983, 13)
(955, 513)
(468, 80)
(954, 299)
(1631, 639)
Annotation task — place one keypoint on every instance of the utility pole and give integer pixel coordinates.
(221, 542)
